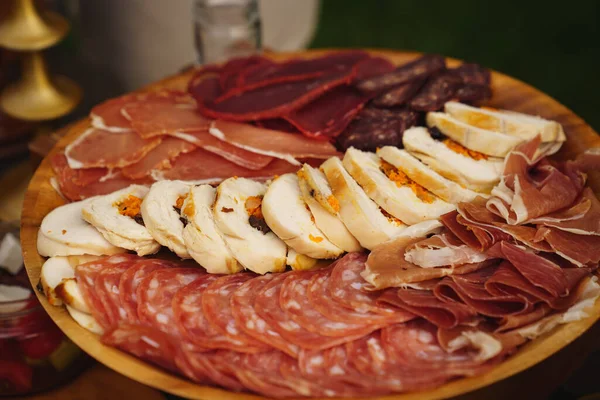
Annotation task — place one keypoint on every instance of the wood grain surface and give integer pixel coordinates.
(509, 93)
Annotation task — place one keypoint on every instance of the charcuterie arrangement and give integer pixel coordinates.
(336, 226)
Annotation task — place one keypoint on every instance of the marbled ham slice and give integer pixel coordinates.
(155, 294)
(236, 155)
(191, 321)
(131, 279)
(159, 158)
(425, 304)
(164, 115)
(216, 307)
(243, 308)
(145, 342)
(100, 148)
(268, 142)
(86, 275)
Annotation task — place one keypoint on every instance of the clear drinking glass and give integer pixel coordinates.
(225, 29)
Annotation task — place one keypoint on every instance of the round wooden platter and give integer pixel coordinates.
(509, 93)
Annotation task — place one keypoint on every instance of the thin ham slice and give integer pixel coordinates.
(159, 158)
(97, 148)
(273, 143)
(275, 100)
(163, 115)
(581, 250)
(108, 115)
(441, 250)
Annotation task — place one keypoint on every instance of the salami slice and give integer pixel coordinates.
(190, 319)
(217, 366)
(86, 275)
(346, 286)
(216, 306)
(107, 288)
(131, 279)
(294, 301)
(320, 299)
(269, 308)
(261, 373)
(155, 294)
(243, 303)
(144, 342)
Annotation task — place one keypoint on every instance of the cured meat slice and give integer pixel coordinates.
(269, 308)
(273, 143)
(236, 155)
(131, 279)
(438, 89)
(294, 301)
(153, 117)
(328, 115)
(347, 287)
(299, 69)
(107, 115)
(318, 295)
(107, 287)
(275, 100)
(216, 307)
(232, 72)
(144, 342)
(205, 85)
(86, 275)
(243, 304)
(158, 158)
(105, 149)
(79, 184)
(192, 166)
(372, 66)
(190, 319)
(261, 374)
(400, 95)
(214, 367)
(424, 304)
(415, 345)
(417, 69)
(475, 83)
(155, 294)
(277, 124)
(581, 250)
(441, 250)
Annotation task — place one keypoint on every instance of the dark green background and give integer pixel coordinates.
(551, 45)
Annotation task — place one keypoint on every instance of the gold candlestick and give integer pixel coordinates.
(37, 96)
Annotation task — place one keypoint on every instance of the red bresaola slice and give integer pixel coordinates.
(158, 158)
(232, 72)
(97, 148)
(277, 124)
(330, 114)
(86, 275)
(155, 294)
(275, 143)
(131, 279)
(275, 100)
(243, 304)
(299, 69)
(373, 66)
(205, 85)
(216, 306)
(164, 115)
(236, 155)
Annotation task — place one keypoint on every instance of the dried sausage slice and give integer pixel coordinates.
(107, 288)
(243, 303)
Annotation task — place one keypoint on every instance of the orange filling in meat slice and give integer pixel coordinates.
(401, 179)
(460, 149)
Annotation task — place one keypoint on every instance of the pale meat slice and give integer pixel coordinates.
(271, 143)
(243, 307)
(193, 166)
(159, 158)
(102, 148)
(236, 155)
(164, 114)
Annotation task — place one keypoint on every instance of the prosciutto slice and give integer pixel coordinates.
(581, 250)
(272, 143)
(107, 115)
(101, 148)
(442, 250)
(159, 158)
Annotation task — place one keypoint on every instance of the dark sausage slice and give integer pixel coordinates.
(437, 91)
(399, 95)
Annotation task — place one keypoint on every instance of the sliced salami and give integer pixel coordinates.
(216, 306)
(145, 342)
(131, 279)
(190, 319)
(318, 295)
(295, 302)
(86, 275)
(217, 366)
(261, 373)
(155, 294)
(243, 304)
(346, 286)
(107, 288)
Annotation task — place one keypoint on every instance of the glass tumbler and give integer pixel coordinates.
(225, 29)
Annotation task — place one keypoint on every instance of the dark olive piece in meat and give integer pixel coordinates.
(138, 218)
(436, 134)
(259, 224)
